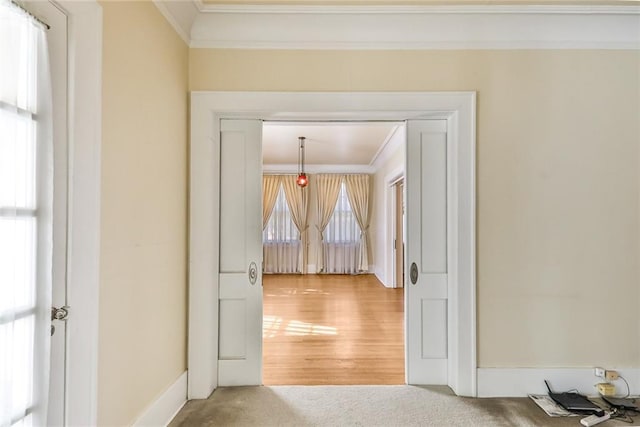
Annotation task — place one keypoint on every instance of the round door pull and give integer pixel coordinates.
(253, 273)
(413, 273)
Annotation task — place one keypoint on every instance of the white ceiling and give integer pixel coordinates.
(335, 143)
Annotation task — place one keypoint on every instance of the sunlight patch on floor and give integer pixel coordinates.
(272, 326)
(294, 292)
(297, 328)
(315, 292)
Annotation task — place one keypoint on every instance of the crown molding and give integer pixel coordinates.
(181, 15)
(388, 148)
(199, 4)
(422, 9)
(403, 27)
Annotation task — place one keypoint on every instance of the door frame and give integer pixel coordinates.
(207, 108)
(398, 222)
(391, 179)
(83, 266)
(84, 136)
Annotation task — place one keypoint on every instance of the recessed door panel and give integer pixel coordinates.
(434, 336)
(232, 202)
(433, 186)
(233, 332)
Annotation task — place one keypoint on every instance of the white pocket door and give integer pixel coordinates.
(427, 272)
(240, 297)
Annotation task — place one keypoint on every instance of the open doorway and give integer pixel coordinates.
(326, 318)
(225, 338)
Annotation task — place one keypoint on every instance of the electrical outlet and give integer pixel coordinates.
(606, 389)
(611, 375)
(599, 372)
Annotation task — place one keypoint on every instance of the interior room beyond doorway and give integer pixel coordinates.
(320, 327)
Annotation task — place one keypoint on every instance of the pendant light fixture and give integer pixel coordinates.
(302, 179)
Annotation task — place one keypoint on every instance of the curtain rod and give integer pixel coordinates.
(40, 21)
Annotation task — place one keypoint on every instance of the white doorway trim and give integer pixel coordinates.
(83, 272)
(390, 225)
(207, 108)
(398, 233)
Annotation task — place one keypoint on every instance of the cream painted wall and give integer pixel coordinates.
(557, 182)
(143, 289)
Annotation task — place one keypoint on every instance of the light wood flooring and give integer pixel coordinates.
(332, 329)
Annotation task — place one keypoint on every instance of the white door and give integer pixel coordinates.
(426, 274)
(240, 310)
(57, 42)
(49, 219)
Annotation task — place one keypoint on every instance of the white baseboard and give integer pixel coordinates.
(164, 408)
(380, 276)
(519, 382)
(372, 269)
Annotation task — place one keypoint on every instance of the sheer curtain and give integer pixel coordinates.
(298, 201)
(280, 239)
(358, 192)
(25, 218)
(328, 188)
(341, 244)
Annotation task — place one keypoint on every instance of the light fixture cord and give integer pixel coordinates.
(301, 156)
(302, 146)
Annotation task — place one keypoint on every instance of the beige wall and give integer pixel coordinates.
(557, 182)
(142, 342)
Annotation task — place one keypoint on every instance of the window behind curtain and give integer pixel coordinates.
(281, 239)
(341, 238)
(280, 227)
(342, 227)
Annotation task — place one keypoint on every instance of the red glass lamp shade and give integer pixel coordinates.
(302, 180)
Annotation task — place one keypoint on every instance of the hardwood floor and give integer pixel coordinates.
(332, 329)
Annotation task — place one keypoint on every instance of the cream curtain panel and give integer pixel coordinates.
(26, 205)
(358, 194)
(270, 187)
(298, 201)
(281, 239)
(328, 189)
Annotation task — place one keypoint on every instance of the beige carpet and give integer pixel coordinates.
(361, 406)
